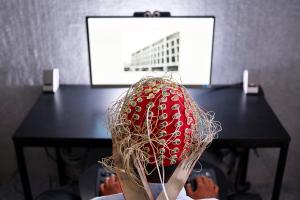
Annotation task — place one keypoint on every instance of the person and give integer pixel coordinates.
(158, 134)
(206, 189)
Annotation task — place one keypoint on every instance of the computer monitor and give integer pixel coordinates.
(124, 49)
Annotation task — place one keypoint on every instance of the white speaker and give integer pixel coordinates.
(250, 82)
(51, 80)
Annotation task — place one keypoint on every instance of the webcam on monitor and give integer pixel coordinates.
(152, 14)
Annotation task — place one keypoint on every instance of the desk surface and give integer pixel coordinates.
(76, 114)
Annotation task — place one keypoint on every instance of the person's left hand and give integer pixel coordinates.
(110, 186)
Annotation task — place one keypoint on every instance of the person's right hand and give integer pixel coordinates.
(205, 188)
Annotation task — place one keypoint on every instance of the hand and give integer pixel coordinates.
(110, 186)
(205, 188)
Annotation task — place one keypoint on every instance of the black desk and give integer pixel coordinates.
(75, 115)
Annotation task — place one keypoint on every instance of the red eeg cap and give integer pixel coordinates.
(171, 117)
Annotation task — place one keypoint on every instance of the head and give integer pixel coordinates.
(156, 125)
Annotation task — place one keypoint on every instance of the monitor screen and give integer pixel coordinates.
(122, 50)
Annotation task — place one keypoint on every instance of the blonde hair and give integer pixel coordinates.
(131, 140)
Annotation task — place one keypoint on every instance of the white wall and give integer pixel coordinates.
(264, 35)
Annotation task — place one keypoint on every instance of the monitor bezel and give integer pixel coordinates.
(127, 85)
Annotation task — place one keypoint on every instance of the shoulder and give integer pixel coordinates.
(188, 198)
(118, 196)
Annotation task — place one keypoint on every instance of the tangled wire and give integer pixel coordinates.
(138, 126)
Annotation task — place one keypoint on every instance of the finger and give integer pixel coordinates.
(117, 180)
(188, 189)
(206, 180)
(209, 182)
(106, 181)
(102, 188)
(112, 179)
(200, 180)
(216, 189)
